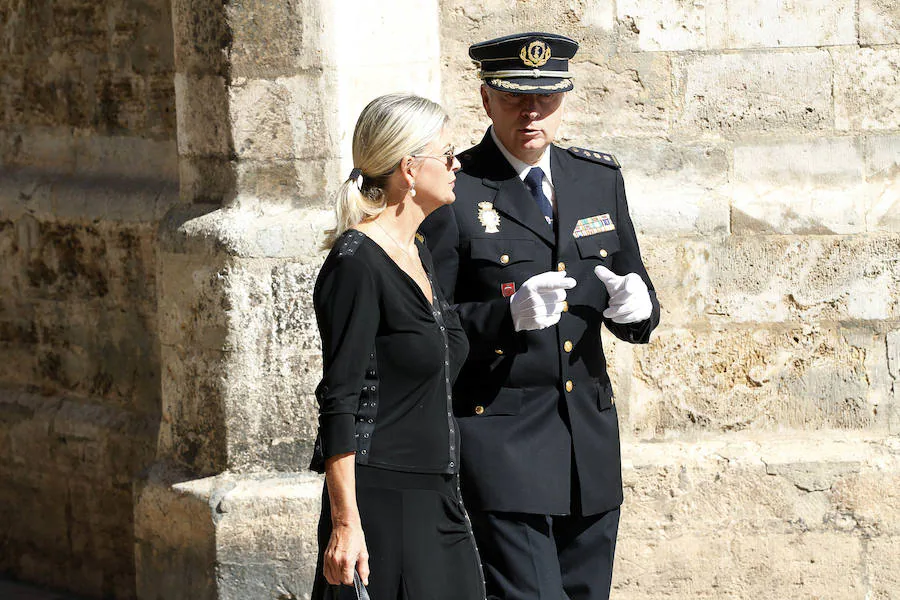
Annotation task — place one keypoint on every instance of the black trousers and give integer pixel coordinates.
(544, 557)
(419, 540)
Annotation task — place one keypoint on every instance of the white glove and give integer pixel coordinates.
(540, 300)
(629, 299)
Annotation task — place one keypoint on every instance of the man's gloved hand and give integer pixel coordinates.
(629, 299)
(540, 300)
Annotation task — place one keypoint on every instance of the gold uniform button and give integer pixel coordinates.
(479, 410)
(504, 259)
(567, 346)
(603, 253)
(565, 306)
(499, 351)
(561, 266)
(569, 386)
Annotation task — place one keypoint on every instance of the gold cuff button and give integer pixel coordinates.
(565, 306)
(603, 253)
(504, 259)
(567, 346)
(569, 386)
(561, 266)
(479, 410)
(499, 351)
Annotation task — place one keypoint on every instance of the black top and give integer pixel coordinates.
(390, 358)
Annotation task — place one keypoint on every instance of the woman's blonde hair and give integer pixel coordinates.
(389, 128)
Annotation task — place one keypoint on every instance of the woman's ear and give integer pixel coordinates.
(408, 170)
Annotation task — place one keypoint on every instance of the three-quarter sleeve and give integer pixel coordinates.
(347, 308)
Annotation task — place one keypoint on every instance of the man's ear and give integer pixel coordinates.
(485, 100)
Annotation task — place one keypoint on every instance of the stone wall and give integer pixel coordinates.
(760, 145)
(165, 174)
(87, 168)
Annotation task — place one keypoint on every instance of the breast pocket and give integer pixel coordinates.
(502, 252)
(600, 246)
(507, 402)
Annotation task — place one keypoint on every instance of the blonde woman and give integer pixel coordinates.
(388, 442)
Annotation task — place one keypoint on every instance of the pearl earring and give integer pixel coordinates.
(412, 189)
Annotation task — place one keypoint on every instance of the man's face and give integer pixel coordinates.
(525, 123)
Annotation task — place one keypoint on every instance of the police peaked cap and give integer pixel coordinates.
(526, 63)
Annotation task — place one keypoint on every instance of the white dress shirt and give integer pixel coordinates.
(522, 168)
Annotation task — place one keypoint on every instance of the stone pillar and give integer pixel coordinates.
(267, 95)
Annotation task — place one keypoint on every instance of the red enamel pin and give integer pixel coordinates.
(508, 289)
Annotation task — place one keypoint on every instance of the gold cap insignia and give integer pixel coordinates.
(535, 54)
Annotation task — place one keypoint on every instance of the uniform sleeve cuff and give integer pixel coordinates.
(338, 434)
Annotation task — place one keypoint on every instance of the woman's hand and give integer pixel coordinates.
(346, 550)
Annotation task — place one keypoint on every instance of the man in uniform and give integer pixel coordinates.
(538, 252)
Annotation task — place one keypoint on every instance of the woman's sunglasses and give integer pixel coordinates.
(448, 157)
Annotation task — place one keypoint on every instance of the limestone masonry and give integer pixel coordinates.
(165, 172)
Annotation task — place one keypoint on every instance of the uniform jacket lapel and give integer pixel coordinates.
(565, 185)
(512, 197)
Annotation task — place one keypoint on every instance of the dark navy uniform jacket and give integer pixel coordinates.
(538, 423)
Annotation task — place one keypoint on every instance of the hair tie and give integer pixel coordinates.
(356, 175)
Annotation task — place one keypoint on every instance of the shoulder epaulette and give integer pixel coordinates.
(348, 242)
(602, 158)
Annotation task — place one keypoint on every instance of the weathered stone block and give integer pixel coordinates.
(879, 22)
(893, 353)
(629, 95)
(673, 188)
(694, 511)
(264, 338)
(51, 148)
(725, 94)
(761, 24)
(872, 500)
(774, 279)
(206, 179)
(679, 269)
(882, 158)
(261, 111)
(203, 116)
(201, 36)
(188, 298)
(226, 537)
(753, 567)
(192, 432)
(125, 156)
(883, 561)
(67, 467)
(677, 25)
(824, 279)
(662, 25)
(867, 89)
(750, 378)
(810, 186)
(271, 40)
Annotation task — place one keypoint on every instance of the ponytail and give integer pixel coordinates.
(353, 205)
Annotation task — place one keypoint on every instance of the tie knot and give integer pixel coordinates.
(534, 178)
